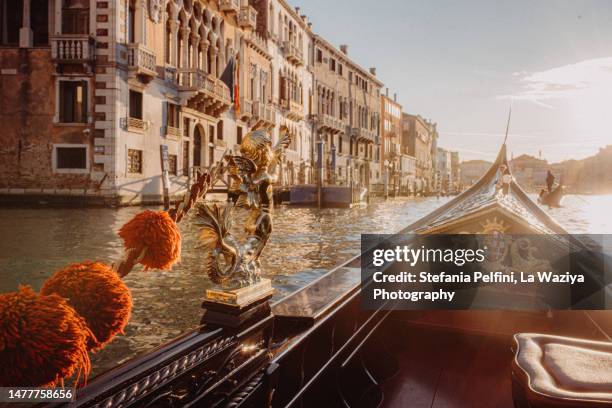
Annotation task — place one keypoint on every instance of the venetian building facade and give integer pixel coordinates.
(289, 37)
(420, 143)
(105, 89)
(391, 132)
(347, 109)
(445, 171)
(456, 172)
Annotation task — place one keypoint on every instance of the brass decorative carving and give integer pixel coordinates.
(230, 263)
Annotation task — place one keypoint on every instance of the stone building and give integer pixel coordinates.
(419, 140)
(455, 172)
(103, 90)
(591, 175)
(472, 171)
(444, 170)
(408, 174)
(347, 108)
(289, 37)
(433, 181)
(125, 83)
(529, 172)
(391, 135)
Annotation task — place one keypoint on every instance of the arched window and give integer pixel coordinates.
(218, 60)
(200, 56)
(168, 39)
(132, 22)
(197, 147)
(179, 49)
(209, 55)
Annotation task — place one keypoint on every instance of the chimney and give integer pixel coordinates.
(309, 24)
(373, 71)
(387, 92)
(344, 49)
(304, 18)
(394, 97)
(297, 10)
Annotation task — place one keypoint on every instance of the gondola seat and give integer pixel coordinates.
(553, 371)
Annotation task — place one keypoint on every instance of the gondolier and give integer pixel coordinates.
(550, 180)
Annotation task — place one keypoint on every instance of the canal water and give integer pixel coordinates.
(306, 243)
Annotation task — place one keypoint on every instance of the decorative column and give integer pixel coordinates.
(142, 23)
(195, 39)
(213, 61)
(174, 27)
(185, 47)
(57, 25)
(204, 44)
(26, 35)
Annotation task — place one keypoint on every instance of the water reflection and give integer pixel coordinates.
(306, 243)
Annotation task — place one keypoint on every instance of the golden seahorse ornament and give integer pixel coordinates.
(227, 261)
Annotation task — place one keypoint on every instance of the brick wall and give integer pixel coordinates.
(27, 108)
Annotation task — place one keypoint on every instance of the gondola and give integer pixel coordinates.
(318, 347)
(552, 199)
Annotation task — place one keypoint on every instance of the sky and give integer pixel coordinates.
(463, 63)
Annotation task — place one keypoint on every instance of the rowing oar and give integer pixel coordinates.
(586, 201)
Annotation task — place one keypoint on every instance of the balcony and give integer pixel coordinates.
(365, 134)
(230, 6)
(331, 124)
(263, 114)
(203, 92)
(136, 125)
(173, 132)
(246, 108)
(141, 61)
(293, 53)
(258, 43)
(73, 49)
(294, 110)
(247, 17)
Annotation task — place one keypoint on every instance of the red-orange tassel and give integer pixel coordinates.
(157, 235)
(97, 293)
(42, 340)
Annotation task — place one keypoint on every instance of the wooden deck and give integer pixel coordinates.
(451, 370)
(463, 359)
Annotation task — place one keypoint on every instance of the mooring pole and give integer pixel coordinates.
(319, 171)
(164, 176)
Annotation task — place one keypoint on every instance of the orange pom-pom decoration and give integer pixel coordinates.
(157, 235)
(97, 293)
(42, 340)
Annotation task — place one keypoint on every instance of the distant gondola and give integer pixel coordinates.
(552, 199)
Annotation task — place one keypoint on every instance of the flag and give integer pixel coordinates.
(230, 77)
(237, 87)
(227, 77)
